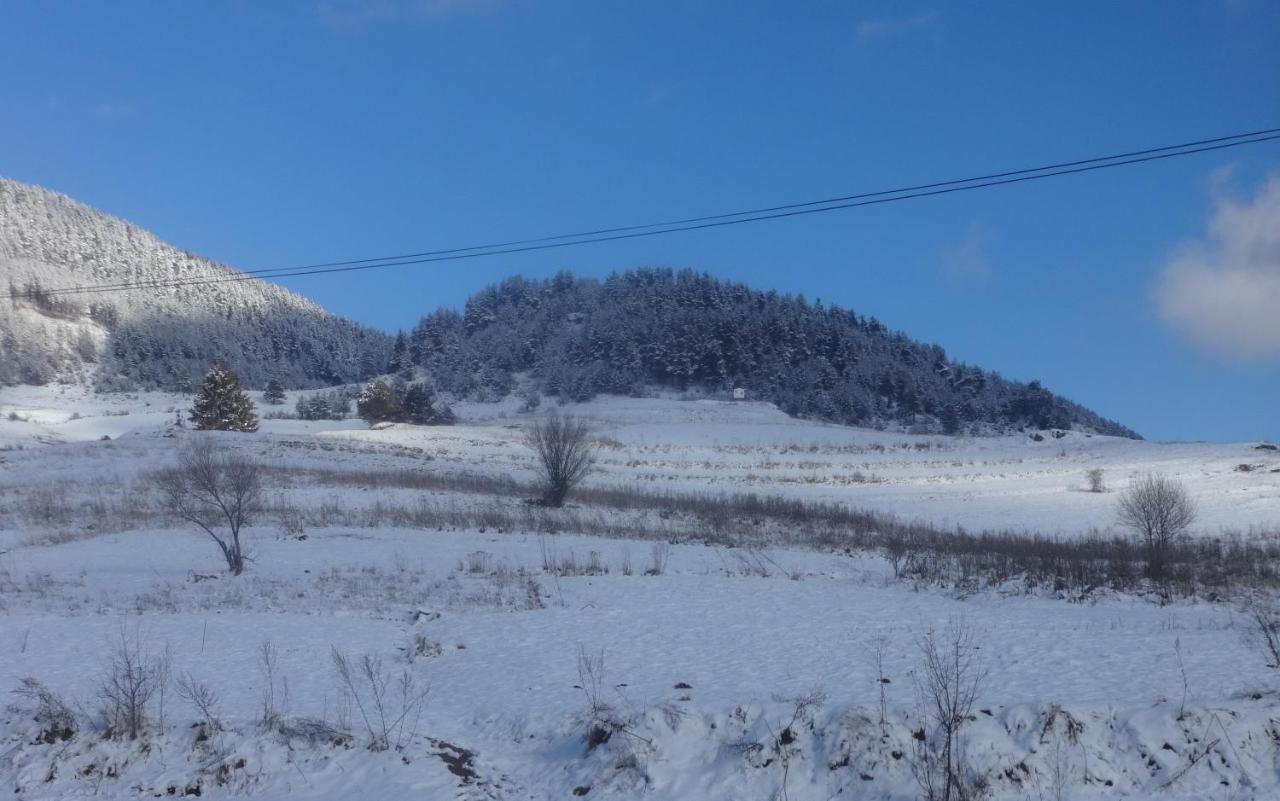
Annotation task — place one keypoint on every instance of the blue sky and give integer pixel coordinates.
(273, 134)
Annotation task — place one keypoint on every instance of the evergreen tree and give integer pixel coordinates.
(274, 393)
(952, 416)
(379, 403)
(400, 358)
(420, 407)
(221, 405)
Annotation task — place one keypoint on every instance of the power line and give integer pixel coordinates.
(708, 221)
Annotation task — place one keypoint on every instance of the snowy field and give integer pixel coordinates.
(721, 673)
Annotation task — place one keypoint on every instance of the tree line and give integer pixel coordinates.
(636, 330)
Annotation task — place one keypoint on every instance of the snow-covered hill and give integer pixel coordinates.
(159, 337)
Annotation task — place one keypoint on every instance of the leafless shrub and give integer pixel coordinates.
(1061, 774)
(879, 649)
(48, 709)
(1182, 671)
(659, 553)
(133, 679)
(591, 672)
(1096, 480)
(783, 741)
(1263, 633)
(948, 682)
(202, 698)
(479, 563)
(214, 488)
(274, 703)
(896, 549)
(566, 564)
(565, 452)
(420, 647)
(625, 568)
(1159, 510)
(389, 707)
(755, 562)
(46, 506)
(602, 719)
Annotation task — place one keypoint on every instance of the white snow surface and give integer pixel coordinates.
(1173, 702)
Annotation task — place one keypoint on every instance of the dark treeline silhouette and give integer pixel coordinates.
(579, 337)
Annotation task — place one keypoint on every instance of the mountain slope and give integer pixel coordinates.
(686, 330)
(161, 337)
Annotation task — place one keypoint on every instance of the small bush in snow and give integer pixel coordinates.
(274, 704)
(134, 678)
(1263, 632)
(203, 699)
(659, 553)
(1097, 482)
(565, 453)
(601, 719)
(47, 708)
(389, 707)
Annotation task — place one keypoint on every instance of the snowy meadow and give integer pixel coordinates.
(733, 605)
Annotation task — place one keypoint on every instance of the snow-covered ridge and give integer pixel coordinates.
(157, 336)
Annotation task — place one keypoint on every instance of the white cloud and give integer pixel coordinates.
(869, 30)
(1222, 291)
(969, 260)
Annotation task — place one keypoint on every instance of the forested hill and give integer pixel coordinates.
(634, 331)
(163, 336)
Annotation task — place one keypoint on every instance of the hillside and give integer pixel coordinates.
(161, 337)
(579, 337)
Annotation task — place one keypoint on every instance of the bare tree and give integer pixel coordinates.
(203, 698)
(566, 452)
(218, 491)
(951, 676)
(1158, 510)
(133, 679)
(1097, 480)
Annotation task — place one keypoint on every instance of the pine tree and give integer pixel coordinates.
(379, 403)
(420, 407)
(274, 393)
(221, 405)
(400, 358)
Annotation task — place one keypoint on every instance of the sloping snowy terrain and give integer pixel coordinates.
(728, 673)
(161, 336)
(1010, 482)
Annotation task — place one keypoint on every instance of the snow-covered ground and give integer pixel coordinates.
(704, 660)
(1011, 482)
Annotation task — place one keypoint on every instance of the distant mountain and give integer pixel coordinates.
(634, 331)
(152, 338)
